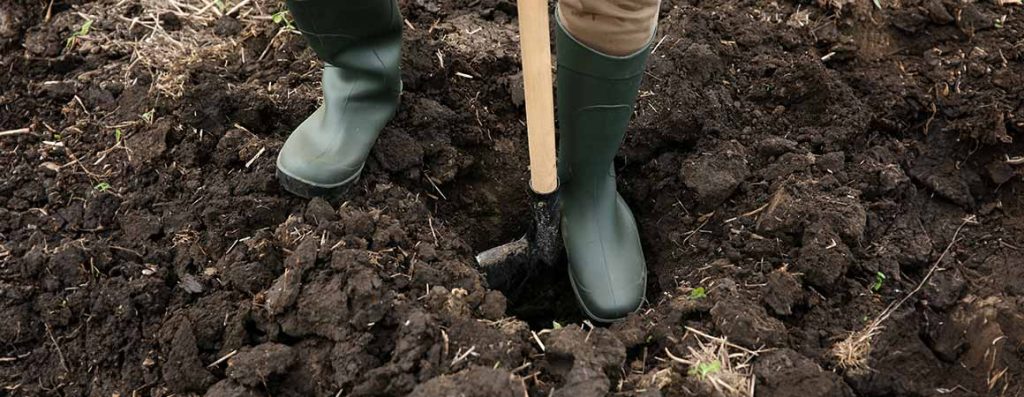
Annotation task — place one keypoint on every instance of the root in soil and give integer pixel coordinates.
(852, 353)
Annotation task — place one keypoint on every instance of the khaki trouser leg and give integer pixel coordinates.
(613, 27)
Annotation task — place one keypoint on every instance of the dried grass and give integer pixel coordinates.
(853, 352)
(169, 56)
(724, 366)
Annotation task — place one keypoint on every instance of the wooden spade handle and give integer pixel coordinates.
(535, 42)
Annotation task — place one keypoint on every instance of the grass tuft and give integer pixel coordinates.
(724, 366)
(852, 353)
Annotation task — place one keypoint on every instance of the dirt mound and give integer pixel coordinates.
(796, 169)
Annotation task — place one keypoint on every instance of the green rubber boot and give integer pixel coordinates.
(596, 96)
(360, 41)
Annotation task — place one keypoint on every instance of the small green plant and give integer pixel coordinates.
(283, 18)
(702, 370)
(698, 293)
(148, 116)
(220, 5)
(556, 325)
(82, 31)
(102, 186)
(1000, 22)
(879, 280)
(118, 134)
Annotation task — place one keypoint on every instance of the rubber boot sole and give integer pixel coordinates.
(309, 190)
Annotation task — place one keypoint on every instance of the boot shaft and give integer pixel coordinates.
(360, 40)
(334, 27)
(596, 97)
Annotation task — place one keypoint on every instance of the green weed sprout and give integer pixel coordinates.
(283, 18)
(82, 31)
(702, 370)
(879, 280)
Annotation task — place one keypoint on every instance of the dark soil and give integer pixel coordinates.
(783, 156)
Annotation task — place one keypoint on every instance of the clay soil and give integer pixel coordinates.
(796, 169)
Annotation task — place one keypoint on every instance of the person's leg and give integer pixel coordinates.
(360, 42)
(611, 27)
(601, 60)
